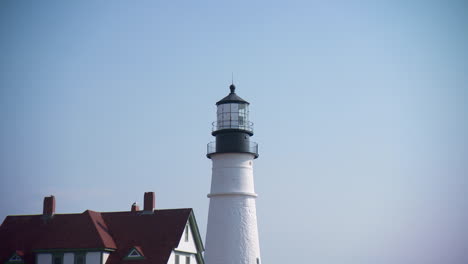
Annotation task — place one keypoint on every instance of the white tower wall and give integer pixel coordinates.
(232, 234)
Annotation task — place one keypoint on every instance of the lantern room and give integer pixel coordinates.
(232, 113)
(232, 127)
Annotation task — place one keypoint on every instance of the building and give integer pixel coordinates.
(232, 234)
(136, 236)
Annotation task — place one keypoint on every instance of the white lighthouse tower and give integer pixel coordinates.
(232, 234)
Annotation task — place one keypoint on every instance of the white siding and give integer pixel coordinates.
(187, 246)
(171, 258)
(93, 258)
(105, 255)
(44, 258)
(193, 259)
(182, 258)
(68, 258)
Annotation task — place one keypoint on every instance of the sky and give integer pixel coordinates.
(360, 111)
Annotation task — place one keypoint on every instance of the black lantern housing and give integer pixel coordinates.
(232, 128)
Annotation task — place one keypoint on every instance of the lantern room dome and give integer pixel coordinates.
(232, 97)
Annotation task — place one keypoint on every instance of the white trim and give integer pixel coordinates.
(232, 194)
(134, 254)
(15, 258)
(183, 253)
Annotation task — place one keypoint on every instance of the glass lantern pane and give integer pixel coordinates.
(234, 107)
(234, 115)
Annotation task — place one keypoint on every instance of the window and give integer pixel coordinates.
(243, 116)
(16, 258)
(258, 261)
(57, 259)
(186, 233)
(187, 260)
(80, 258)
(134, 253)
(241, 120)
(177, 260)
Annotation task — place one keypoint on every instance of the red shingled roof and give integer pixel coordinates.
(33, 232)
(86, 230)
(154, 234)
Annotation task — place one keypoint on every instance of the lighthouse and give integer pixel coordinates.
(232, 234)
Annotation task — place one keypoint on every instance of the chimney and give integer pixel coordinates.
(49, 206)
(149, 202)
(135, 207)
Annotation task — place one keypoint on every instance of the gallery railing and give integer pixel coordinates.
(232, 124)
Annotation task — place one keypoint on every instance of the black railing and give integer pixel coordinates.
(232, 124)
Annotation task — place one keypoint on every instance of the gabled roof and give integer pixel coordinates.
(156, 234)
(36, 232)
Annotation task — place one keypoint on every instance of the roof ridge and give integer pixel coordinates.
(40, 215)
(174, 209)
(155, 210)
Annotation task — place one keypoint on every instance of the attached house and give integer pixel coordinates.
(137, 236)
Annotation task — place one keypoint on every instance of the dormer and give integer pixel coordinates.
(135, 253)
(16, 258)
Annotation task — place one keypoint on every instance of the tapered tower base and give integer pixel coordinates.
(232, 234)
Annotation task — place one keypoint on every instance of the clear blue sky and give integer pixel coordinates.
(360, 111)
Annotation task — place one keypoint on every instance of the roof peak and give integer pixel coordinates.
(232, 97)
(232, 87)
